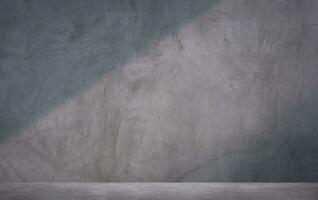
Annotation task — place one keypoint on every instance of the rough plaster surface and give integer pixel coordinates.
(138, 91)
(154, 191)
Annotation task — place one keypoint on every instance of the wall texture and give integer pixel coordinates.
(159, 90)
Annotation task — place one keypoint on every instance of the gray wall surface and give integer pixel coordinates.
(159, 90)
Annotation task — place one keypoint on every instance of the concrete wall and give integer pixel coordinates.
(159, 90)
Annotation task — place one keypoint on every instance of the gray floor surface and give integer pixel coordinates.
(123, 191)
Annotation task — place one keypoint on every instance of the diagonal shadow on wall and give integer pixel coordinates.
(53, 50)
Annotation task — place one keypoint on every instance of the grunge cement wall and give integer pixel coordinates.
(159, 90)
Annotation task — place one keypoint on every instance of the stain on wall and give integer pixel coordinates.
(158, 90)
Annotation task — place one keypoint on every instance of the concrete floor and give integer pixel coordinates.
(118, 191)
